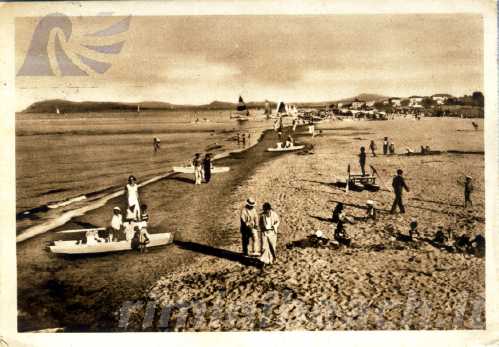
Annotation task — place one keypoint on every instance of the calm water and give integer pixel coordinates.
(60, 157)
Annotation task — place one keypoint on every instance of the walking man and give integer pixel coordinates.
(249, 225)
(372, 147)
(398, 185)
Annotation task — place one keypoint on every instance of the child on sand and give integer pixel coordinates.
(468, 189)
(116, 224)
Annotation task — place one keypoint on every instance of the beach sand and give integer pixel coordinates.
(379, 282)
(202, 283)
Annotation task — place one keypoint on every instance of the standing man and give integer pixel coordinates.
(362, 160)
(372, 147)
(385, 146)
(207, 167)
(398, 185)
(249, 225)
(468, 188)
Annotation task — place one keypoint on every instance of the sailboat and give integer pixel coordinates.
(57, 110)
(268, 111)
(138, 108)
(241, 113)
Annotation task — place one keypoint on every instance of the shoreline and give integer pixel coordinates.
(65, 217)
(167, 200)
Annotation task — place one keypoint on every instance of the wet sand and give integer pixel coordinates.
(82, 293)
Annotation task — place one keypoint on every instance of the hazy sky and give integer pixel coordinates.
(199, 59)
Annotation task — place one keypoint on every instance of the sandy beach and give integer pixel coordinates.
(380, 282)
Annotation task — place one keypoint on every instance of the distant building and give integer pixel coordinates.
(370, 103)
(441, 99)
(415, 101)
(357, 104)
(396, 102)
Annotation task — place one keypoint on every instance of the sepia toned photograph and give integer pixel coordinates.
(271, 172)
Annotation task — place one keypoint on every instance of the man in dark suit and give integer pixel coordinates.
(398, 185)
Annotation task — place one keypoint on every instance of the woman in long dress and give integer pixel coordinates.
(269, 222)
(132, 193)
(198, 169)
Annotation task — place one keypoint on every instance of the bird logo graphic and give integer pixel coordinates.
(48, 53)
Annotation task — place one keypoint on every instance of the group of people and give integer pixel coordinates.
(259, 231)
(202, 168)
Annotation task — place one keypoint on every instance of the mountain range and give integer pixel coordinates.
(65, 106)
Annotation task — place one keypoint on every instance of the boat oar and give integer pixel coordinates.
(79, 230)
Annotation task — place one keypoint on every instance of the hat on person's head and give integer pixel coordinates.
(370, 202)
(250, 202)
(117, 209)
(469, 177)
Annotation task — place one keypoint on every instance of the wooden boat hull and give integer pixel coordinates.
(288, 149)
(190, 169)
(72, 247)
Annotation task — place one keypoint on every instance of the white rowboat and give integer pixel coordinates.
(190, 169)
(285, 149)
(72, 247)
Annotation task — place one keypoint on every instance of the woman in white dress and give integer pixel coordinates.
(132, 193)
(269, 222)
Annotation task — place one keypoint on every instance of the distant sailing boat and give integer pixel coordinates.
(138, 108)
(57, 110)
(241, 113)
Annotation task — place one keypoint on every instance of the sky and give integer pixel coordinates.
(198, 59)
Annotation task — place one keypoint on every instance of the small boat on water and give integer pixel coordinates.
(285, 149)
(190, 169)
(242, 113)
(76, 247)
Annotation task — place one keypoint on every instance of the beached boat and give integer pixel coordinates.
(190, 169)
(76, 247)
(285, 149)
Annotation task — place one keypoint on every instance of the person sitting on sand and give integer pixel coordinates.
(198, 168)
(413, 228)
(440, 237)
(116, 223)
(371, 210)
(338, 209)
(479, 242)
(249, 227)
(340, 234)
(391, 148)
(269, 223)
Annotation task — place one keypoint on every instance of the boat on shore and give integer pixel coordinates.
(77, 247)
(190, 169)
(285, 149)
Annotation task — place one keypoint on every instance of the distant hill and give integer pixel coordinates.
(65, 106)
